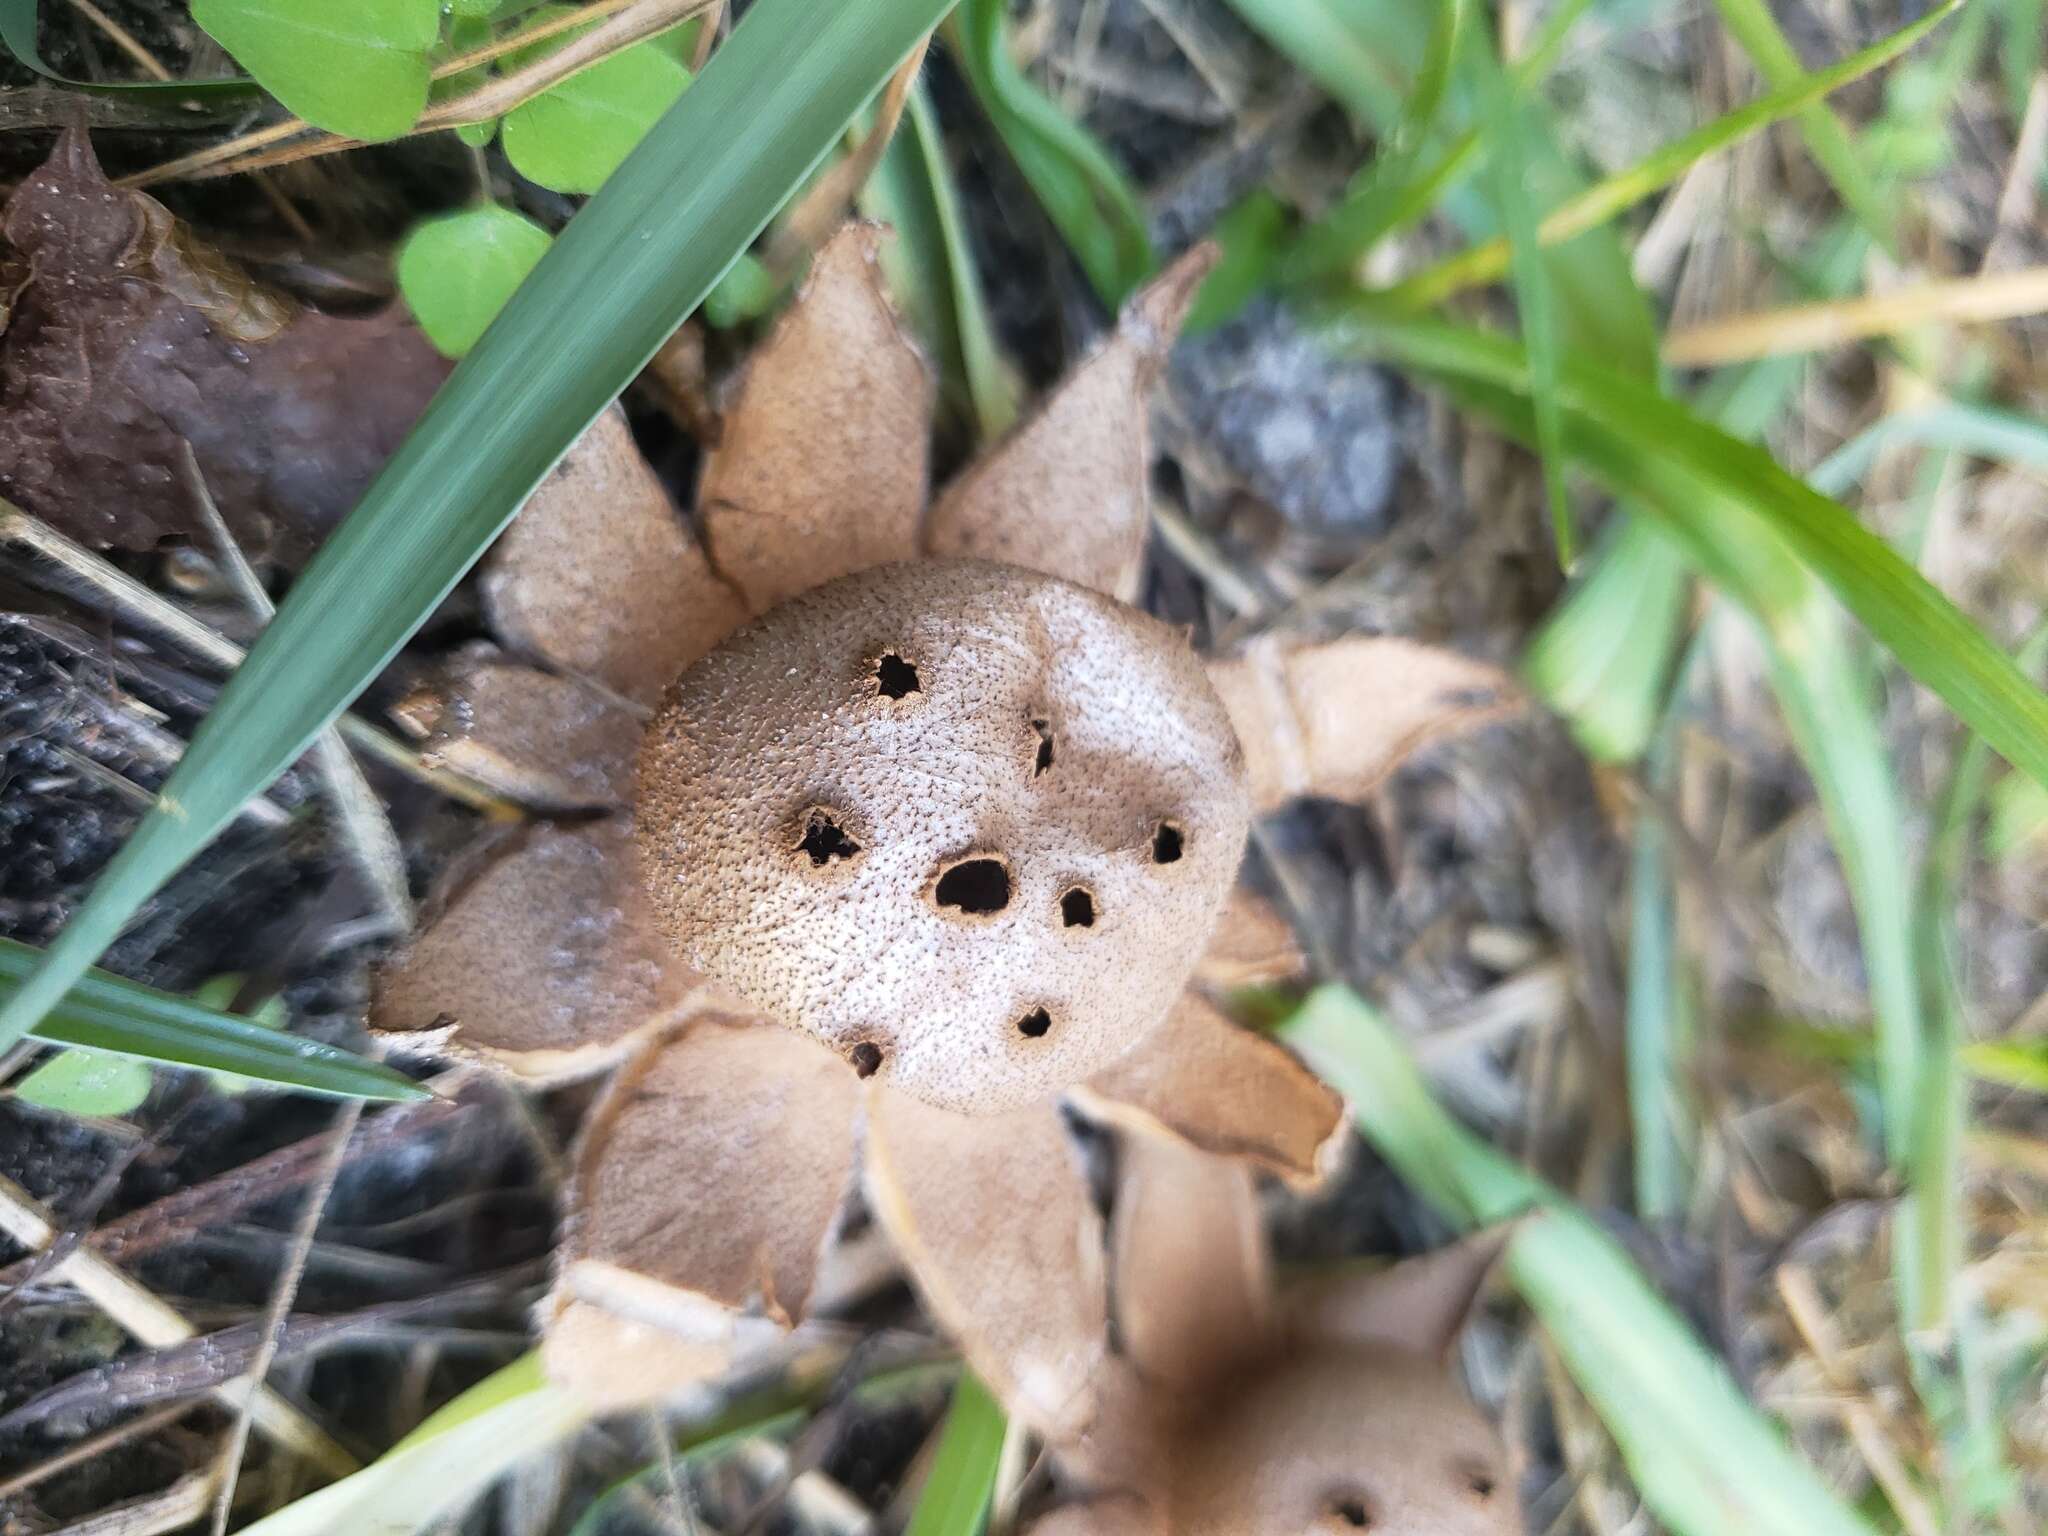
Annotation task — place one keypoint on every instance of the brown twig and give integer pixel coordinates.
(229, 1468)
(1837, 322)
(142, 605)
(152, 1321)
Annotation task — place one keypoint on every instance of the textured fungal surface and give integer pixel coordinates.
(1343, 1438)
(967, 825)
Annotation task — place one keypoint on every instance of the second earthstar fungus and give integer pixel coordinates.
(928, 833)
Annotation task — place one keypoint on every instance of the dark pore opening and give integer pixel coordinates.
(976, 887)
(825, 840)
(895, 677)
(1352, 1511)
(1166, 843)
(1034, 1023)
(1043, 762)
(866, 1058)
(1077, 908)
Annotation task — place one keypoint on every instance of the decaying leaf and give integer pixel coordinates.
(1252, 946)
(1067, 492)
(1334, 718)
(538, 955)
(966, 825)
(548, 742)
(599, 576)
(820, 468)
(1224, 1089)
(124, 335)
(707, 1182)
(993, 1219)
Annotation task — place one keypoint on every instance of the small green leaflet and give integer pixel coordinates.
(91, 1083)
(457, 272)
(359, 69)
(573, 135)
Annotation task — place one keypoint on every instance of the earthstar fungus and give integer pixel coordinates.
(923, 851)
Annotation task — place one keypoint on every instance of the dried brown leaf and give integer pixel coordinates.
(994, 1222)
(1067, 492)
(820, 467)
(124, 335)
(548, 742)
(1224, 1089)
(1252, 946)
(600, 576)
(539, 956)
(707, 1182)
(1334, 718)
(1188, 1265)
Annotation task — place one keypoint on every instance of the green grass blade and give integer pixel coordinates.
(105, 1012)
(1827, 138)
(963, 1474)
(2024, 23)
(1706, 1463)
(931, 268)
(1657, 1018)
(1079, 186)
(1643, 439)
(1535, 303)
(629, 267)
(1602, 659)
(20, 35)
(510, 1416)
(1335, 49)
(1612, 195)
(1959, 426)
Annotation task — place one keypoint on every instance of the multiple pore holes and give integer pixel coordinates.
(895, 678)
(978, 886)
(824, 839)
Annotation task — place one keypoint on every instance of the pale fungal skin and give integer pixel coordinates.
(788, 724)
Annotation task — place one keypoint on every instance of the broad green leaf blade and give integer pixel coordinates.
(963, 1474)
(109, 1013)
(80, 1082)
(20, 35)
(572, 136)
(1906, 613)
(457, 272)
(359, 69)
(618, 280)
(1079, 186)
(1706, 1463)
